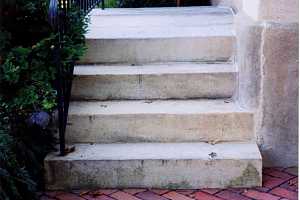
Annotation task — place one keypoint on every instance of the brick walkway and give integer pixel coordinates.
(278, 184)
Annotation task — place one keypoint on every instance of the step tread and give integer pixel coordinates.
(154, 107)
(162, 151)
(160, 23)
(157, 68)
(203, 10)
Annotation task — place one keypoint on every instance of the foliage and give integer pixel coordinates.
(15, 180)
(111, 4)
(28, 52)
(20, 159)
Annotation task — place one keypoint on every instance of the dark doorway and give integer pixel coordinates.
(194, 3)
(162, 3)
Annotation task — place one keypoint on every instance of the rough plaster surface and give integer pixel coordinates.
(156, 165)
(278, 130)
(272, 10)
(248, 60)
(282, 11)
(265, 10)
(268, 82)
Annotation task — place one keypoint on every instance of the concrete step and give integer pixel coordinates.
(154, 81)
(158, 121)
(145, 35)
(156, 165)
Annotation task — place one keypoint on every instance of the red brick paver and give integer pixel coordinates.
(211, 191)
(260, 195)
(278, 174)
(100, 197)
(282, 192)
(105, 191)
(176, 196)
(148, 195)
(278, 184)
(270, 182)
(229, 195)
(186, 192)
(205, 196)
(134, 191)
(123, 196)
(68, 196)
(159, 191)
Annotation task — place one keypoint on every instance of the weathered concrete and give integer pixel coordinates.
(249, 37)
(268, 74)
(160, 34)
(120, 38)
(160, 22)
(159, 50)
(185, 166)
(158, 121)
(155, 81)
(278, 122)
(281, 11)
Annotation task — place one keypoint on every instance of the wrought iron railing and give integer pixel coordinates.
(58, 10)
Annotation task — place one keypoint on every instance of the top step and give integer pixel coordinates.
(143, 35)
(128, 23)
(204, 10)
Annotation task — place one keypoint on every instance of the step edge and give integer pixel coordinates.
(103, 70)
(54, 156)
(230, 35)
(234, 108)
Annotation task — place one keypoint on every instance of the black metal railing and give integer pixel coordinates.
(58, 10)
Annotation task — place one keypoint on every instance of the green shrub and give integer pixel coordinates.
(111, 3)
(27, 93)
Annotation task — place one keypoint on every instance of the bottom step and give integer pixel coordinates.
(156, 165)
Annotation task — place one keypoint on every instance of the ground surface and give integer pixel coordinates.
(278, 184)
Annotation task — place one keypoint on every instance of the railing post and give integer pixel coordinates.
(57, 15)
(61, 79)
(103, 4)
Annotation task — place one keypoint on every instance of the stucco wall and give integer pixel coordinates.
(268, 62)
(267, 56)
(278, 127)
(272, 10)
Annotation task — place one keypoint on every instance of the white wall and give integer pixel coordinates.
(272, 10)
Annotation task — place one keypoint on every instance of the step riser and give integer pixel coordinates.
(159, 50)
(162, 86)
(160, 128)
(170, 174)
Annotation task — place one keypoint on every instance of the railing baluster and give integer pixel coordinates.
(57, 15)
(103, 4)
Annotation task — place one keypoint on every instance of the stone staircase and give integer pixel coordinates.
(153, 105)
